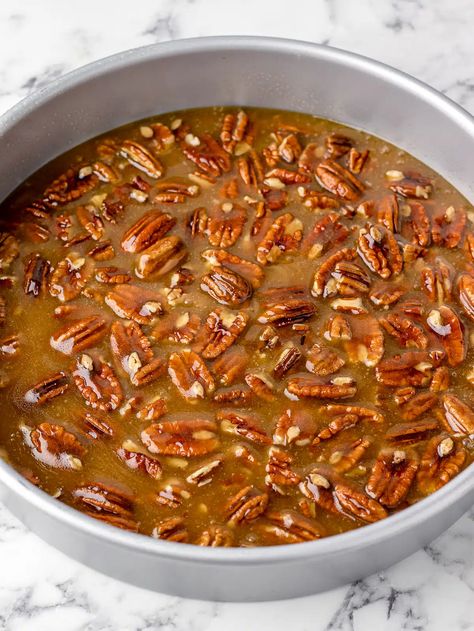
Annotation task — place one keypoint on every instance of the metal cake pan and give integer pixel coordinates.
(240, 71)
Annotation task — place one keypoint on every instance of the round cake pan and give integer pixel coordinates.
(237, 71)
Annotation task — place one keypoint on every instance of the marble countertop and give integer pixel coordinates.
(40, 589)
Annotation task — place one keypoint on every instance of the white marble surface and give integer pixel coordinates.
(40, 589)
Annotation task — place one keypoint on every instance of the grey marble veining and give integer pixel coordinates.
(42, 590)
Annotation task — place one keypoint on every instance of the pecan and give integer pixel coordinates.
(418, 405)
(226, 287)
(317, 200)
(141, 158)
(190, 375)
(313, 386)
(111, 275)
(161, 257)
(338, 180)
(134, 303)
(437, 281)
(174, 192)
(440, 380)
(102, 251)
(413, 368)
(230, 366)
(172, 495)
(149, 372)
(248, 504)
(294, 426)
(289, 312)
(171, 529)
(98, 384)
(205, 472)
(440, 462)
(78, 335)
(322, 361)
(289, 526)
(326, 232)
(181, 329)
(338, 328)
(339, 496)
(251, 271)
(207, 155)
(357, 160)
(152, 410)
(238, 396)
(48, 389)
(284, 235)
(69, 278)
(367, 341)
(410, 184)
(220, 332)
(278, 470)
(136, 460)
(52, 445)
(186, 438)
(405, 331)
(388, 213)
(309, 158)
(162, 138)
(322, 285)
(130, 346)
(458, 415)
(351, 279)
(96, 427)
(3, 311)
(379, 250)
(343, 417)
(288, 359)
(445, 323)
(416, 224)
(37, 271)
(150, 228)
(411, 432)
(234, 130)
(90, 220)
(9, 250)
(69, 187)
(285, 177)
(216, 537)
(250, 169)
(345, 457)
(384, 294)
(222, 231)
(391, 477)
(108, 504)
(447, 229)
(243, 425)
(9, 346)
(337, 145)
(260, 385)
(466, 293)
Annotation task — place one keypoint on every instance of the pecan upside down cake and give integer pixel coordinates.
(237, 328)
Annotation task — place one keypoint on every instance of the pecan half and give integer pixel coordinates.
(323, 361)
(96, 427)
(220, 331)
(458, 415)
(322, 285)
(337, 145)
(326, 232)
(391, 477)
(410, 184)
(37, 271)
(207, 155)
(417, 225)
(141, 158)
(440, 462)
(288, 359)
(235, 128)
(313, 386)
(69, 278)
(78, 335)
(279, 471)
(205, 472)
(413, 368)
(411, 432)
(289, 526)
(108, 504)
(216, 537)
(48, 389)
(130, 346)
(69, 187)
(294, 427)
(418, 405)
(171, 529)
(98, 384)
(243, 425)
(344, 417)
(288, 312)
(224, 231)
(190, 375)
(445, 323)
(447, 229)
(187, 438)
(52, 445)
(346, 456)
(261, 385)
(380, 251)
(251, 271)
(174, 192)
(136, 460)
(466, 294)
(437, 281)
(367, 341)
(150, 228)
(405, 331)
(161, 257)
(9, 250)
(134, 303)
(230, 366)
(338, 180)
(284, 235)
(226, 287)
(248, 504)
